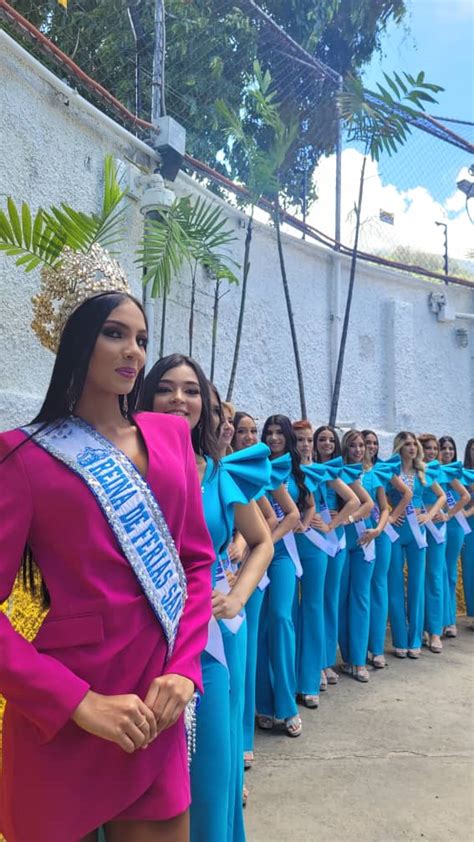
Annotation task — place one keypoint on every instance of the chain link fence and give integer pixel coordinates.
(120, 54)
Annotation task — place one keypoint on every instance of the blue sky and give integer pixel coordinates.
(440, 41)
(418, 184)
(437, 37)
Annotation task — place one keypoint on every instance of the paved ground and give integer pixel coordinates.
(387, 761)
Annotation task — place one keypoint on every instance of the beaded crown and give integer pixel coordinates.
(63, 289)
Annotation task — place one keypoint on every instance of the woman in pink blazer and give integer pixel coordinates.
(101, 681)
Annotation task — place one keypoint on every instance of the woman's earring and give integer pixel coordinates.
(125, 406)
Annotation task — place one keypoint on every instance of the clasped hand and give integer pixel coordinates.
(368, 536)
(225, 606)
(318, 523)
(130, 722)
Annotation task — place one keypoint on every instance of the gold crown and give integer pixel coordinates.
(79, 277)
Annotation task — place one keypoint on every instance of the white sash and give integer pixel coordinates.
(368, 549)
(415, 527)
(264, 581)
(322, 542)
(288, 540)
(129, 508)
(222, 585)
(215, 643)
(460, 516)
(436, 532)
(329, 543)
(388, 528)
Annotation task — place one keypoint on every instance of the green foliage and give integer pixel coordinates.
(82, 230)
(31, 241)
(381, 121)
(185, 233)
(210, 49)
(260, 109)
(40, 240)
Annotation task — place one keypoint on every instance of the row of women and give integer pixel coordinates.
(193, 579)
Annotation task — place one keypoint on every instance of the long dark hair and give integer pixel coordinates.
(289, 434)
(364, 434)
(69, 375)
(337, 443)
(449, 439)
(218, 398)
(468, 462)
(203, 438)
(74, 353)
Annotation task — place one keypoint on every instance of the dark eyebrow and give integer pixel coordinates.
(186, 382)
(122, 324)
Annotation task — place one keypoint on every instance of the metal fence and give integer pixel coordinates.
(117, 54)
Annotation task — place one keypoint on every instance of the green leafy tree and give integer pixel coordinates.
(210, 48)
(381, 123)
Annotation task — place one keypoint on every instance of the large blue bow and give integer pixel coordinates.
(244, 475)
(280, 470)
(454, 470)
(315, 474)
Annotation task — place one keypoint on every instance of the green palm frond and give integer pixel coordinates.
(82, 230)
(207, 227)
(186, 232)
(381, 120)
(38, 240)
(164, 248)
(31, 240)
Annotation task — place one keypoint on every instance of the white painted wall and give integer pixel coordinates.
(404, 369)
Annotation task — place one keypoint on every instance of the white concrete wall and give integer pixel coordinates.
(404, 369)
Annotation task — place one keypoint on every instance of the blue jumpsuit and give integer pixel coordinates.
(310, 639)
(454, 542)
(354, 600)
(327, 497)
(435, 571)
(406, 621)
(380, 475)
(217, 766)
(276, 672)
(280, 469)
(468, 549)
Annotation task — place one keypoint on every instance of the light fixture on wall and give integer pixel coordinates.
(462, 337)
(467, 187)
(155, 196)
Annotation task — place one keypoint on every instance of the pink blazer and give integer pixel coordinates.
(59, 782)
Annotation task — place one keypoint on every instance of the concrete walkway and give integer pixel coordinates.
(386, 761)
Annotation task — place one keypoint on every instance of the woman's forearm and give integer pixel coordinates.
(252, 570)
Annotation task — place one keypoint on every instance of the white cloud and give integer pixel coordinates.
(415, 211)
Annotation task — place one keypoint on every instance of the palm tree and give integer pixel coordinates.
(264, 165)
(189, 233)
(186, 232)
(381, 122)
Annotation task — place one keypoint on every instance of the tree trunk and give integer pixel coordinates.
(345, 326)
(286, 289)
(243, 299)
(215, 316)
(163, 325)
(191, 311)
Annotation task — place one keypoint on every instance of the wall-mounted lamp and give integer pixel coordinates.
(155, 195)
